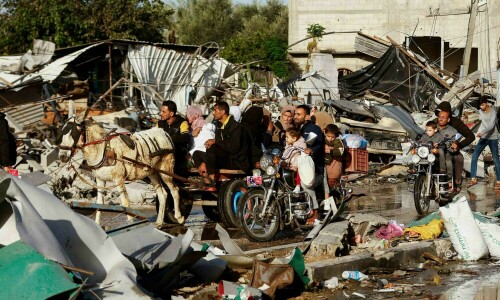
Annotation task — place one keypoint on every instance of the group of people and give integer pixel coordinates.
(447, 126)
(235, 138)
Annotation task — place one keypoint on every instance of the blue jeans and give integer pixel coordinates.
(493, 144)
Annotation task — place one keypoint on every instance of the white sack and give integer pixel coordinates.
(491, 235)
(463, 230)
(306, 170)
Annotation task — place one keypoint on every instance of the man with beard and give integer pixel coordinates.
(447, 125)
(229, 149)
(316, 148)
(178, 129)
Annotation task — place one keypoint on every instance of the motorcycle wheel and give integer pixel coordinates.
(258, 229)
(422, 203)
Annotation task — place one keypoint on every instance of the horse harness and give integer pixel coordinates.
(109, 156)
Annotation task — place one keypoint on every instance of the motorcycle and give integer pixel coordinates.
(427, 181)
(270, 202)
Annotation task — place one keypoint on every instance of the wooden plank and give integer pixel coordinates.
(429, 71)
(222, 171)
(205, 202)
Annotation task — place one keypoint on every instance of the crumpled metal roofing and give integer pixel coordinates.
(48, 73)
(174, 75)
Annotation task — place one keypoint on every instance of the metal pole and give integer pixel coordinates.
(110, 74)
(497, 104)
(441, 63)
(470, 37)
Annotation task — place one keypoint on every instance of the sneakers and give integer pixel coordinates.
(296, 190)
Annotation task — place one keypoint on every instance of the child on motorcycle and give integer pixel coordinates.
(432, 135)
(334, 150)
(295, 144)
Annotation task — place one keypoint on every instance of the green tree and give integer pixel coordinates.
(201, 21)
(69, 23)
(263, 38)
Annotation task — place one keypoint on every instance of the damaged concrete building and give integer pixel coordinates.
(436, 30)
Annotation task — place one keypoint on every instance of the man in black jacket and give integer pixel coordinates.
(316, 149)
(229, 149)
(7, 145)
(443, 112)
(178, 129)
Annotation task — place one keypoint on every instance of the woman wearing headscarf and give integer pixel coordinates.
(195, 119)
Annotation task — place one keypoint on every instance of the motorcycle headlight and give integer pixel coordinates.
(423, 152)
(415, 159)
(431, 158)
(270, 170)
(265, 161)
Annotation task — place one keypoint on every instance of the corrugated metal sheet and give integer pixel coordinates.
(21, 116)
(173, 75)
(371, 46)
(54, 69)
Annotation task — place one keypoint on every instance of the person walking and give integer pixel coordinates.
(488, 136)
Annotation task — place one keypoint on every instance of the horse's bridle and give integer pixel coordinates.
(76, 133)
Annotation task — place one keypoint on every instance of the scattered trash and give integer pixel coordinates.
(426, 232)
(275, 276)
(399, 273)
(359, 295)
(331, 283)
(229, 290)
(382, 282)
(436, 280)
(356, 275)
(386, 290)
(433, 257)
(392, 230)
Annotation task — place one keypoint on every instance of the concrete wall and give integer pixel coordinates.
(396, 18)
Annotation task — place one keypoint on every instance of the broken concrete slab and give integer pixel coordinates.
(331, 241)
(363, 224)
(140, 192)
(400, 257)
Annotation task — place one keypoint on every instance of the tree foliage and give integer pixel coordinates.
(246, 33)
(69, 23)
(201, 21)
(263, 37)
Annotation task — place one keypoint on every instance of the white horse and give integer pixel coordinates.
(104, 155)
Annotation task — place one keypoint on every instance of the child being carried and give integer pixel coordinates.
(295, 145)
(432, 135)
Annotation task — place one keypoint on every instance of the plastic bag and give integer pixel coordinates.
(306, 170)
(428, 231)
(491, 235)
(463, 230)
(392, 230)
(355, 141)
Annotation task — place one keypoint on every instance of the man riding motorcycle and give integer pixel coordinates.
(446, 120)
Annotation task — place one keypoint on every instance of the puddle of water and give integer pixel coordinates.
(484, 287)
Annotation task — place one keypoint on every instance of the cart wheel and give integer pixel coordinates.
(228, 202)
